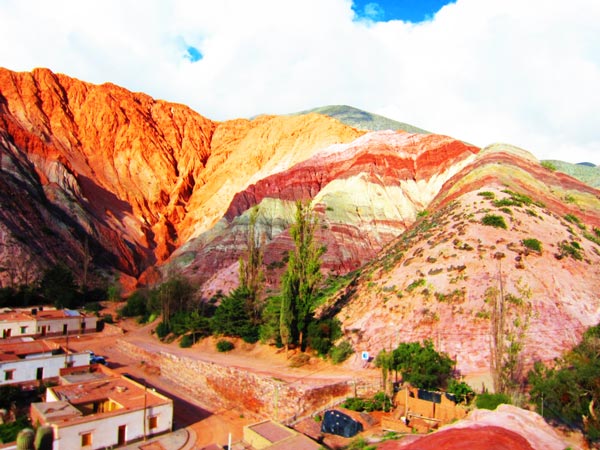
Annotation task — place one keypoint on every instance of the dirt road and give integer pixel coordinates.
(210, 424)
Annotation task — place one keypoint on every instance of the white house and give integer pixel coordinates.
(45, 322)
(99, 408)
(28, 361)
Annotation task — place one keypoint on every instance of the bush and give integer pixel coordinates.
(379, 402)
(232, 317)
(186, 341)
(487, 194)
(135, 306)
(93, 307)
(224, 346)
(421, 365)
(491, 401)
(461, 390)
(548, 165)
(321, 335)
(162, 329)
(108, 318)
(567, 391)
(341, 352)
(572, 249)
(9, 430)
(415, 284)
(492, 220)
(533, 244)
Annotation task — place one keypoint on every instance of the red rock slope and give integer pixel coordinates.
(506, 428)
(137, 176)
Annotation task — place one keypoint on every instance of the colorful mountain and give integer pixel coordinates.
(425, 228)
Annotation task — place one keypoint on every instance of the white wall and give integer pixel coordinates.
(15, 328)
(105, 429)
(25, 370)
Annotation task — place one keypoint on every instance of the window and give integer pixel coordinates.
(24, 329)
(152, 422)
(9, 374)
(6, 333)
(86, 439)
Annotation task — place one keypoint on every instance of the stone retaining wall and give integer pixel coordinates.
(232, 387)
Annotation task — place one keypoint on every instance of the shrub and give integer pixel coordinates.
(162, 329)
(322, 334)
(491, 401)
(533, 244)
(299, 360)
(341, 352)
(232, 317)
(572, 249)
(135, 306)
(492, 220)
(186, 341)
(108, 318)
(9, 430)
(548, 165)
(224, 346)
(415, 284)
(487, 194)
(379, 402)
(461, 390)
(575, 220)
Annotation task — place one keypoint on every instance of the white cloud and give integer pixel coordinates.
(527, 73)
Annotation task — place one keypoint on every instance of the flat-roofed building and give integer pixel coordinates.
(98, 408)
(270, 435)
(40, 322)
(25, 361)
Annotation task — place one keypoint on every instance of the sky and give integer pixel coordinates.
(484, 71)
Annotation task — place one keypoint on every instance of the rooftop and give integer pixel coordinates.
(95, 391)
(10, 351)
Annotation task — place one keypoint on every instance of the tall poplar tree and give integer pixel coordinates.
(251, 269)
(301, 278)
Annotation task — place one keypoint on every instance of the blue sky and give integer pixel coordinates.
(484, 71)
(407, 10)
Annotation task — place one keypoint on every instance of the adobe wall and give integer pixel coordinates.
(230, 387)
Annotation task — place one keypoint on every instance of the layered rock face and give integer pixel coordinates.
(441, 278)
(364, 193)
(133, 176)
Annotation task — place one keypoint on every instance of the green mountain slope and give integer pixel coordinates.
(586, 173)
(364, 120)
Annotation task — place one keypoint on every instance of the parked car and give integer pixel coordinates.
(96, 359)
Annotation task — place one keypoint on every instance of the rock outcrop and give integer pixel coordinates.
(506, 428)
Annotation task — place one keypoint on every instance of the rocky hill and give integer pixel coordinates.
(428, 227)
(540, 250)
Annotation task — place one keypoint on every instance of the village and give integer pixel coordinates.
(107, 387)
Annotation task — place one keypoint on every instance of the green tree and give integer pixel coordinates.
(232, 317)
(421, 365)
(58, 286)
(175, 294)
(251, 269)
(570, 391)
(385, 361)
(322, 334)
(301, 278)
(271, 315)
